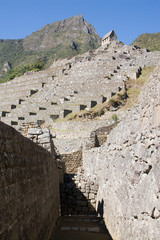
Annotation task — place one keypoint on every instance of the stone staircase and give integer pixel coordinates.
(78, 210)
(80, 228)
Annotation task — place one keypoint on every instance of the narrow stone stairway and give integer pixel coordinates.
(80, 228)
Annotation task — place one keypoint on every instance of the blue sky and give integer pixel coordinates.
(129, 18)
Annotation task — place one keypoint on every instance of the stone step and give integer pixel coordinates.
(81, 228)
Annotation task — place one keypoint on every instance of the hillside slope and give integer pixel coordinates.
(150, 41)
(61, 39)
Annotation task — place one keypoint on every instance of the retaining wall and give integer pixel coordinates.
(126, 169)
(29, 188)
(72, 161)
(78, 195)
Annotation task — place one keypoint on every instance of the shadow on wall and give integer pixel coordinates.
(74, 199)
(78, 197)
(100, 208)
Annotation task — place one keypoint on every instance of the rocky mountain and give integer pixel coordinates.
(150, 41)
(61, 39)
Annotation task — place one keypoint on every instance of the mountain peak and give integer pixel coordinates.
(57, 40)
(71, 29)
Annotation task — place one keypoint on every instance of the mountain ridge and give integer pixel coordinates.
(150, 41)
(57, 40)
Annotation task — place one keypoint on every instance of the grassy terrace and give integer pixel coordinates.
(134, 86)
(118, 101)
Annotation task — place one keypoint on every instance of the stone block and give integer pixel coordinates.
(82, 229)
(34, 131)
(94, 188)
(86, 194)
(44, 135)
(83, 190)
(93, 202)
(74, 228)
(44, 140)
(91, 196)
(65, 229)
(78, 209)
(79, 197)
(81, 203)
(85, 209)
(93, 229)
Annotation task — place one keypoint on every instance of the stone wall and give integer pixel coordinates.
(29, 188)
(38, 135)
(43, 138)
(102, 132)
(78, 194)
(127, 167)
(72, 161)
(98, 137)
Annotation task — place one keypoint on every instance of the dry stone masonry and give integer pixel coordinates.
(102, 169)
(29, 188)
(127, 167)
(70, 86)
(38, 135)
(78, 195)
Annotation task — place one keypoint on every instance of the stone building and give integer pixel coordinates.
(111, 36)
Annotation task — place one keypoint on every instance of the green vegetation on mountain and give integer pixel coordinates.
(58, 40)
(17, 72)
(149, 41)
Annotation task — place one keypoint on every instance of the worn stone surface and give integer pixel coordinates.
(29, 188)
(72, 161)
(81, 227)
(127, 168)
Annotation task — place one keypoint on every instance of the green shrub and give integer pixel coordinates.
(17, 72)
(115, 118)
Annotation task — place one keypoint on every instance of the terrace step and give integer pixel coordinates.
(81, 228)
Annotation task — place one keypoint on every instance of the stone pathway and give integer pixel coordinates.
(80, 228)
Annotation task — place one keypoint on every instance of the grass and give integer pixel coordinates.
(134, 86)
(17, 72)
(148, 41)
(118, 101)
(97, 111)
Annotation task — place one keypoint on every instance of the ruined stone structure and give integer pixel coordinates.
(71, 86)
(109, 37)
(102, 168)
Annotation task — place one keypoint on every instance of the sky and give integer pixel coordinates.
(128, 18)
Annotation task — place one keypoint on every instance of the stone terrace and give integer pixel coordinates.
(71, 85)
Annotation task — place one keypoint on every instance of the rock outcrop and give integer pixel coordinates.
(127, 169)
